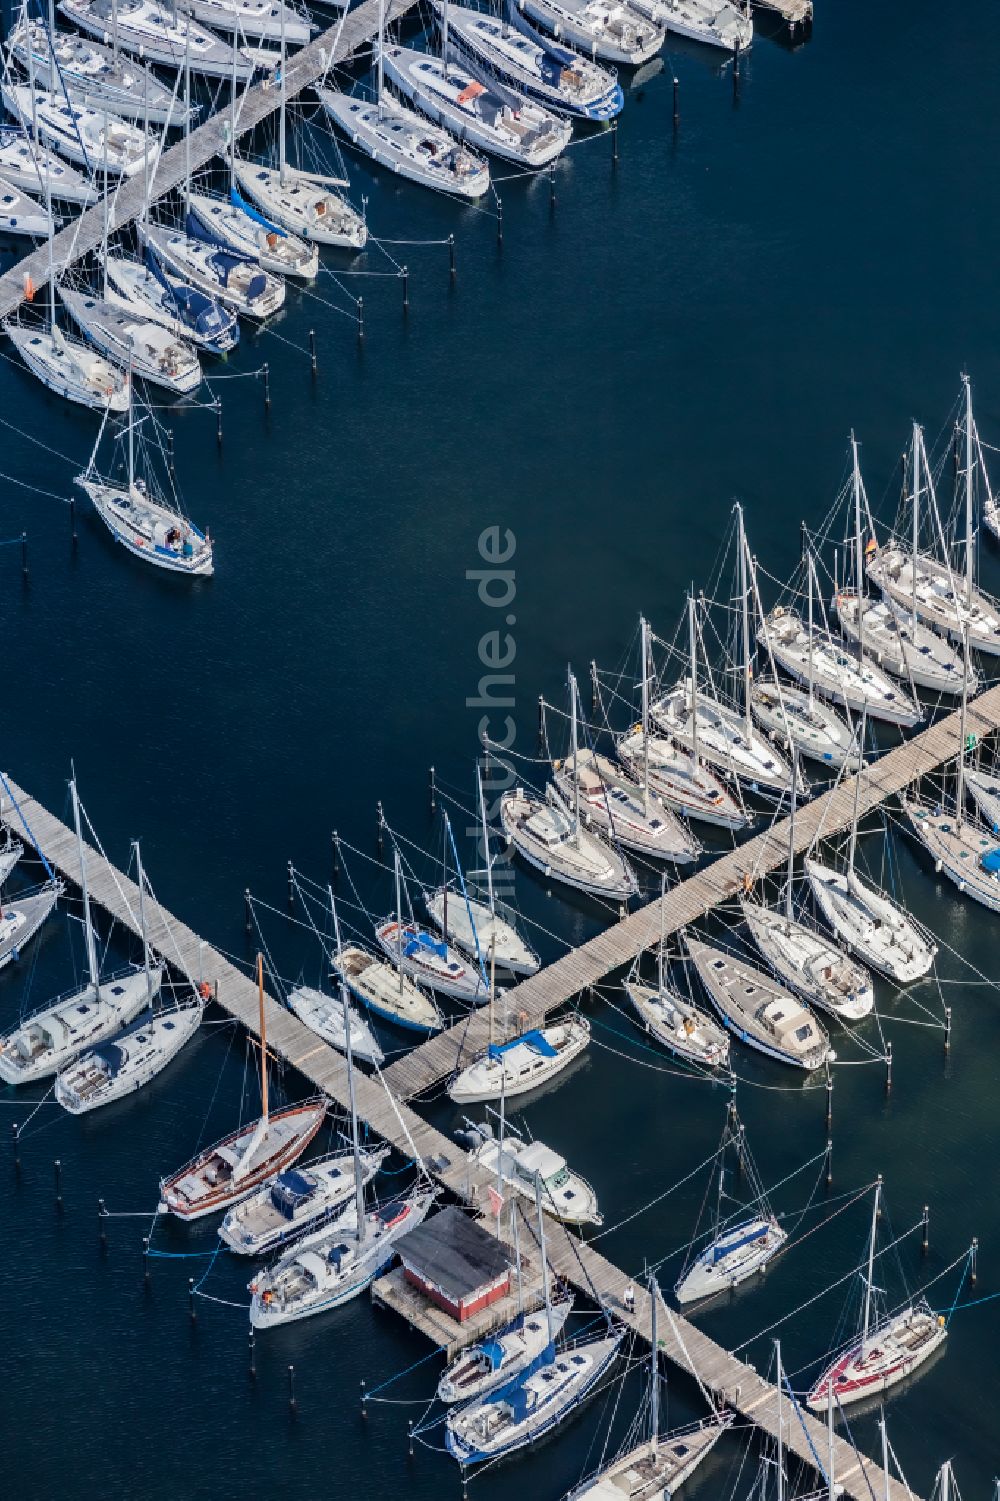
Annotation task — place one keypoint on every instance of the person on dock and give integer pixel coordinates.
(628, 1299)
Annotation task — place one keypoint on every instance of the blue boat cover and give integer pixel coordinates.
(494, 1353)
(991, 861)
(425, 941)
(238, 201)
(726, 1248)
(534, 1039)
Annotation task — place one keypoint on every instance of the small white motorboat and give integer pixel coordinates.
(529, 1166)
(324, 1015)
(509, 1069)
(113, 1070)
(296, 1202)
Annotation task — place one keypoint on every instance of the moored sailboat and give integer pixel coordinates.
(21, 917)
(611, 30)
(759, 1011)
(116, 1069)
(296, 1202)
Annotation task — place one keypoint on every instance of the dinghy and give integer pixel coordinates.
(87, 137)
(889, 1349)
(761, 1012)
(532, 1406)
(295, 1203)
(22, 916)
(804, 723)
(21, 215)
(184, 310)
(869, 924)
(49, 1039)
(516, 57)
(328, 1269)
(509, 1069)
(116, 1069)
(158, 34)
(528, 1167)
(606, 29)
(447, 92)
(239, 227)
(324, 1015)
(134, 342)
(95, 76)
(485, 1367)
(28, 166)
(409, 145)
(716, 22)
(235, 280)
(247, 1157)
(550, 838)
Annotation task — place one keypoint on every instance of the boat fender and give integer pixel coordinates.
(961, 885)
(547, 871)
(937, 867)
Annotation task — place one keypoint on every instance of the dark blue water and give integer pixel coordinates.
(708, 321)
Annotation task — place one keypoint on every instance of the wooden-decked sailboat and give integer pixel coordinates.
(240, 1163)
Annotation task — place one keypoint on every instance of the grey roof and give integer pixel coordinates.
(454, 1253)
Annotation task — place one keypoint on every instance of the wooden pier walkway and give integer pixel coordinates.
(536, 998)
(305, 67)
(578, 1264)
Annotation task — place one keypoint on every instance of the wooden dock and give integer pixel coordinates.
(530, 1002)
(792, 12)
(582, 1266)
(305, 67)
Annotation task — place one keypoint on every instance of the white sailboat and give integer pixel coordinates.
(656, 1467)
(296, 1202)
(116, 1069)
(865, 920)
(550, 837)
(759, 1011)
(611, 30)
(965, 849)
(632, 814)
(719, 23)
(235, 280)
(336, 1264)
(491, 119)
(40, 173)
(402, 140)
(21, 917)
(918, 583)
(21, 215)
(153, 31)
(984, 789)
(233, 1168)
(49, 1039)
(85, 137)
(518, 58)
(739, 1245)
(184, 311)
(675, 1022)
(260, 20)
(325, 1014)
(475, 926)
(803, 958)
(482, 1368)
(724, 737)
(10, 854)
(889, 1349)
(145, 521)
(797, 718)
(133, 341)
(897, 640)
(93, 75)
(427, 959)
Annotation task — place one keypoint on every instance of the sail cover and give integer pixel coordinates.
(238, 201)
(534, 1039)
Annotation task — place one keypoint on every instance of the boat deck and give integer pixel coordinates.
(580, 1265)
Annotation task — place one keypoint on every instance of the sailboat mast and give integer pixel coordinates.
(857, 791)
(381, 44)
(263, 1039)
(866, 1324)
(541, 1252)
(232, 114)
(781, 1423)
(444, 40)
(359, 1188)
(576, 772)
(644, 650)
(493, 976)
(131, 423)
(960, 793)
(809, 575)
(187, 118)
(791, 833)
(968, 491)
(140, 878)
(694, 677)
(859, 561)
(654, 1367)
(663, 920)
(281, 110)
(831, 1489)
(745, 608)
(915, 462)
(399, 924)
(88, 926)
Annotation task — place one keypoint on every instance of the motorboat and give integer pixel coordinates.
(296, 1202)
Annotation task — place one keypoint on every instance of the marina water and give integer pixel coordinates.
(707, 321)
